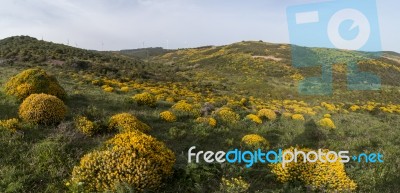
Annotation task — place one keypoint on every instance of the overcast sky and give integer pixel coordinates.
(124, 24)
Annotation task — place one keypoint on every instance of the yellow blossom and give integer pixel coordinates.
(267, 113)
(254, 141)
(168, 116)
(299, 117)
(320, 175)
(254, 118)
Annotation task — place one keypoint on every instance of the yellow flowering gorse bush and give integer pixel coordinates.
(34, 81)
(234, 185)
(329, 106)
(228, 116)
(354, 108)
(254, 141)
(145, 99)
(267, 113)
(254, 118)
(212, 122)
(86, 126)
(132, 158)
(108, 88)
(322, 176)
(207, 120)
(127, 122)
(124, 89)
(299, 117)
(168, 116)
(10, 124)
(183, 107)
(42, 109)
(327, 122)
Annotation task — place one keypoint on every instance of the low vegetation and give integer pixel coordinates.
(88, 121)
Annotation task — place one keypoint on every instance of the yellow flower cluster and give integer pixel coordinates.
(289, 106)
(371, 106)
(354, 108)
(267, 113)
(168, 91)
(97, 82)
(168, 116)
(243, 101)
(127, 122)
(322, 176)
(34, 81)
(132, 158)
(234, 185)
(145, 99)
(172, 91)
(210, 121)
(236, 104)
(287, 115)
(297, 77)
(299, 117)
(390, 108)
(228, 116)
(183, 106)
(327, 122)
(254, 141)
(42, 109)
(86, 126)
(170, 99)
(329, 106)
(124, 89)
(10, 124)
(254, 118)
(107, 88)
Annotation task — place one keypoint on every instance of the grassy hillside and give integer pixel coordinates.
(198, 85)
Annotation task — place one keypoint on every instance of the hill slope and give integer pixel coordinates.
(220, 96)
(30, 51)
(264, 69)
(258, 69)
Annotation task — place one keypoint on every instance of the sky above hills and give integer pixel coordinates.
(124, 24)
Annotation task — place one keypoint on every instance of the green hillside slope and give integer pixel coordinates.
(123, 106)
(264, 69)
